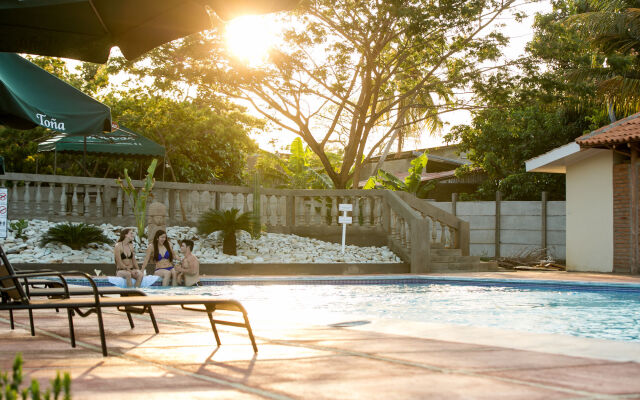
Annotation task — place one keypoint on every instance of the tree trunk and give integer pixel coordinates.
(229, 244)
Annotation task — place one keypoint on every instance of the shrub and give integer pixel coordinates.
(228, 222)
(10, 386)
(18, 227)
(74, 236)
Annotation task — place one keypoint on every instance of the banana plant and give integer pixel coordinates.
(411, 184)
(140, 196)
(303, 176)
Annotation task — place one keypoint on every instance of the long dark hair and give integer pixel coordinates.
(123, 233)
(167, 245)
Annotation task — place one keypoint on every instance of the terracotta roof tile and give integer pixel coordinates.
(623, 131)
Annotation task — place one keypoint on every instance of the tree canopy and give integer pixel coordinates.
(348, 73)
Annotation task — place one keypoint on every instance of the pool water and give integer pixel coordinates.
(604, 314)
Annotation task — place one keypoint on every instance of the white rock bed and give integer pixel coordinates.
(269, 248)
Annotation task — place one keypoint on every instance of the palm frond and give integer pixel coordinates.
(75, 236)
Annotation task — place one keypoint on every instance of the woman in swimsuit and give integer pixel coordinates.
(162, 255)
(125, 257)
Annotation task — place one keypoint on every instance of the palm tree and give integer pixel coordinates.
(75, 236)
(228, 222)
(613, 29)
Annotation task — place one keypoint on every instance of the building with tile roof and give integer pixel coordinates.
(602, 198)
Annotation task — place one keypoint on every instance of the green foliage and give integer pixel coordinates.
(411, 184)
(10, 385)
(612, 28)
(75, 236)
(139, 197)
(530, 111)
(228, 222)
(18, 227)
(302, 174)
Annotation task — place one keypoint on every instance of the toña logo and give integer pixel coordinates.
(50, 123)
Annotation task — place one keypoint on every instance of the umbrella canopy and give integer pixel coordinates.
(121, 141)
(87, 29)
(30, 96)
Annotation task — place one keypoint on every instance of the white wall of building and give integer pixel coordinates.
(590, 214)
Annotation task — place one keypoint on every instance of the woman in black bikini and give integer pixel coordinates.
(162, 255)
(125, 257)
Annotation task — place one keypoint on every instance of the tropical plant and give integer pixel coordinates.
(613, 30)
(412, 184)
(302, 174)
(139, 197)
(228, 222)
(75, 236)
(10, 385)
(18, 227)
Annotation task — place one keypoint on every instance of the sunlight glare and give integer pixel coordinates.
(250, 37)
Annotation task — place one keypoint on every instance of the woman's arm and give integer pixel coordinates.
(134, 260)
(116, 256)
(147, 256)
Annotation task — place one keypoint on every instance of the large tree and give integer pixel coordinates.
(348, 73)
(531, 110)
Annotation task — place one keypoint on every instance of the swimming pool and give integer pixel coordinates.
(593, 310)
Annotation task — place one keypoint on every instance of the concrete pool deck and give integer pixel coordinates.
(382, 359)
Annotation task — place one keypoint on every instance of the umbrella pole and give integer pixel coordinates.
(55, 160)
(164, 165)
(84, 156)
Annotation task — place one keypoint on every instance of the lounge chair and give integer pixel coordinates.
(16, 298)
(53, 288)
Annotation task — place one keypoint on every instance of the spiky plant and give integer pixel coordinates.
(75, 236)
(228, 222)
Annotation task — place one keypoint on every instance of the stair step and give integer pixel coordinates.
(464, 266)
(446, 252)
(453, 258)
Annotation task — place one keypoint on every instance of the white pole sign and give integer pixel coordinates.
(3, 212)
(344, 220)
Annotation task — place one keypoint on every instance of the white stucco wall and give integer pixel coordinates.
(589, 208)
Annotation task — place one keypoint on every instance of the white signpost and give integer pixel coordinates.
(4, 205)
(344, 220)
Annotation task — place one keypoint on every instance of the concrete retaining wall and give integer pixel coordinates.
(521, 226)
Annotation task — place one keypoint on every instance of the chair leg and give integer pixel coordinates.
(103, 339)
(72, 333)
(153, 319)
(11, 319)
(253, 340)
(130, 320)
(33, 329)
(213, 326)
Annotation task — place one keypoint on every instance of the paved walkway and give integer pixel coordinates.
(380, 360)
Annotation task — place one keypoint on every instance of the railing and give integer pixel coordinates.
(409, 225)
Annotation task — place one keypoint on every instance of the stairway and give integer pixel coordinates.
(452, 260)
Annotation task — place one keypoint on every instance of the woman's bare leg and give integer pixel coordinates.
(126, 275)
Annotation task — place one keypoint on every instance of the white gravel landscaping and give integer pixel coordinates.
(269, 248)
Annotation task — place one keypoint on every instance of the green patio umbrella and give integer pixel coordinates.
(121, 141)
(87, 29)
(30, 96)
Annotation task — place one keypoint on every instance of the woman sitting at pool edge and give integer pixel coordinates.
(125, 258)
(160, 250)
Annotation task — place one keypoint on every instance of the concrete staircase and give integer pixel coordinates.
(452, 260)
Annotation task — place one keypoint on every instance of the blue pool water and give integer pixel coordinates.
(595, 311)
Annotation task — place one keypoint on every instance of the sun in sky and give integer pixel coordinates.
(250, 37)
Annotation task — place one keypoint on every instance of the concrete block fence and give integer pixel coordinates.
(512, 228)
